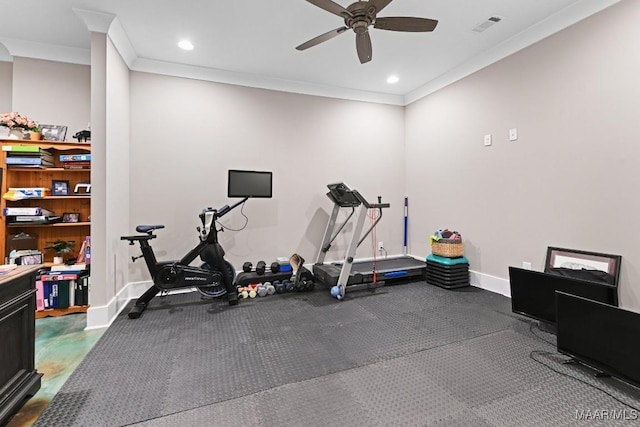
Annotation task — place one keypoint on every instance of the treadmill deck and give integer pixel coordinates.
(389, 269)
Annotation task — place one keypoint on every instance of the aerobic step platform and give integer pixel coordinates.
(448, 273)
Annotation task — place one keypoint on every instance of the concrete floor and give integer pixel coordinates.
(61, 344)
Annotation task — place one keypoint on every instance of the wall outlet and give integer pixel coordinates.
(526, 265)
(513, 134)
(380, 246)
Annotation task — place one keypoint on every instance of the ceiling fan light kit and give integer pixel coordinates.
(359, 16)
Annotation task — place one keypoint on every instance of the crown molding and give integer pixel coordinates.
(109, 24)
(261, 82)
(49, 52)
(121, 41)
(96, 22)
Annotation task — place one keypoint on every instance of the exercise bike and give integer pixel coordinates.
(214, 278)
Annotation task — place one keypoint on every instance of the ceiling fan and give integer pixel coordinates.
(359, 16)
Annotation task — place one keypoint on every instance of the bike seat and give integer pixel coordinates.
(148, 228)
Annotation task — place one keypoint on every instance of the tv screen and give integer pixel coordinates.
(599, 335)
(533, 292)
(249, 183)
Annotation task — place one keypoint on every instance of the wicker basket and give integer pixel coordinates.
(450, 248)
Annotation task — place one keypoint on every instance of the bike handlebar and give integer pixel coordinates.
(226, 208)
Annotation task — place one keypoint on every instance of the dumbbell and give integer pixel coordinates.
(261, 290)
(289, 285)
(270, 288)
(279, 287)
(265, 289)
(306, 285)
(248, 291)
(260, 267)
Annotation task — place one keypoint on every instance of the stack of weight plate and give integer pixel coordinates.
(448, 273)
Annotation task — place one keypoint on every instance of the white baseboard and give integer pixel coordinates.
(102, 316)
(490, 283)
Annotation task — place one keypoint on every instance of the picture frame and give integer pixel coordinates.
(71, 217)
(56, 133)
(34, 259)
(572, 258)
(59, 188)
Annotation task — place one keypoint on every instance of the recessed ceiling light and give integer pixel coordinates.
(185, 44)
(393, 79)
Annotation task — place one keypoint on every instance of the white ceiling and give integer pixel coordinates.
(252, 42)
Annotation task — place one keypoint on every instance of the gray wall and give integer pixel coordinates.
(6, 83)
(571, 178)
(568, 181)
(53, 93)
(109, 178)
(186, 134)
(116, 167)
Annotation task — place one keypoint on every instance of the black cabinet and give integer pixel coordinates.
(18, 376)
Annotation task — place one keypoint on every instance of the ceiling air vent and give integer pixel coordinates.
(487, 24)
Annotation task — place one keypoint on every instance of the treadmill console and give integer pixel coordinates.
(343, 196)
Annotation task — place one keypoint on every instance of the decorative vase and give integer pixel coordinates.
(15, 133)
(58, 260)
(35, 136)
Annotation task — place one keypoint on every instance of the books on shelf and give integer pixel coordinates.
(76, 165)
(25, 161)
(62, 290)
(33, 219)
(42, 155)
(26, 211)
(23, 149)
(79, 268)
(75, 157)
(39, 295)
(30, 156)
(25, 193)
(84, 254)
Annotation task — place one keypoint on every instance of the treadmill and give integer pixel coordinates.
(350, 275)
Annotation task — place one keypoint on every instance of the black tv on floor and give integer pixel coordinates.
(599, 335)
(246, 183)
(533, 293)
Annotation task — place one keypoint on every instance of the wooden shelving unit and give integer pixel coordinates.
(61, 311)
(16, 177)
(36, 177)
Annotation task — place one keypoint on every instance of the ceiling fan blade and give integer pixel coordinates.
(405, 23)
(378, 5)
(332, 7)
(322, 38)
(363, 46)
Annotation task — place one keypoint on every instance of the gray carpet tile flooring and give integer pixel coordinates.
(406, 355)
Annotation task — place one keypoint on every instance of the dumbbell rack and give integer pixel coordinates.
(245, 279)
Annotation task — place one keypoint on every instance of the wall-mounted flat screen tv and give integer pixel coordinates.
(245, 183)
(533, 293)
(599, 335)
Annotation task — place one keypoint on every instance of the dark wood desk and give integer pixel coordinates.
(18, 376)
